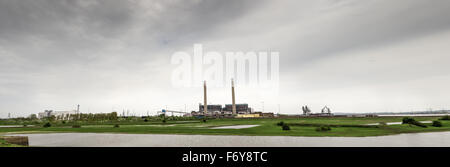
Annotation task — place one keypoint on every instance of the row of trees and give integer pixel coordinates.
(88, 117)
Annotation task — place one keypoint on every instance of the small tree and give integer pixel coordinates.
(446, 118)
(113, 116)
(280, 123)
(412, 121)
(437, 124)
(46, 125)
(323, 128)
(76, 126)
(33, 117)
(419, 124)
(286, 127)
(408, 120)
(51, 118)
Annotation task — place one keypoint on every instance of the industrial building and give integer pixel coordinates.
(60, 115)
(211, 108)
(229, 110)
(217, 109)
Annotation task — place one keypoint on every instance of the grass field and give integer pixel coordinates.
(3, 143)
(267, 127)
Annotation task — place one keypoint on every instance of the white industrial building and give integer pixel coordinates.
(60, 115)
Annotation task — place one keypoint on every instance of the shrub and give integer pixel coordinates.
(412, 121)
(25, 125)
(145, 120)
(164, 121)
(116, 125)
(63, 122)
(437, 124)
(408, 120)
(204, 120)
(280, 123)
(46, 125)
(446, 118)
(323, 128)
(76, 126)
(285, 127)
(417, 123)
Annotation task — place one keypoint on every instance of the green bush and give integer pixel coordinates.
(323, 128)
(25, 125)
(417, 123)
(164, 121)
(46, 125)
(445, 118)
(280, 123)
(63, 122)
(76, 126)
(285, 127)
(204, 120)
(408, 120)
(116, 125)
(437, 124)
(145, 120)
(412, 121)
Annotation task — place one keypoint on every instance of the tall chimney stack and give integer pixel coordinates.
(233, 98)
(205, 102)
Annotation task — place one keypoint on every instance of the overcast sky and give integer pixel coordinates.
(351, 55)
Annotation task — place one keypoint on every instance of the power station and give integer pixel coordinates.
(229, 110)
(233, 102)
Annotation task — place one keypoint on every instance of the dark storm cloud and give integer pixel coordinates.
(191, 22)
(57, 19)
(63, 31)
(48, 33)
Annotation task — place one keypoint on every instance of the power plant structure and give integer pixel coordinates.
(233, 102)
(205, 97)
(229, 110)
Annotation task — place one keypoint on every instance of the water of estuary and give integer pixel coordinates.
(432, 139)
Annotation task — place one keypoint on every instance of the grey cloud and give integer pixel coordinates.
(370, 24)
(60, 32)
(54, 52)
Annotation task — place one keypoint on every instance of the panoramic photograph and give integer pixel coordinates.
(215, 73)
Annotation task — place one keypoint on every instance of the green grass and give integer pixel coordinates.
(340, 127)
(3, 143)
